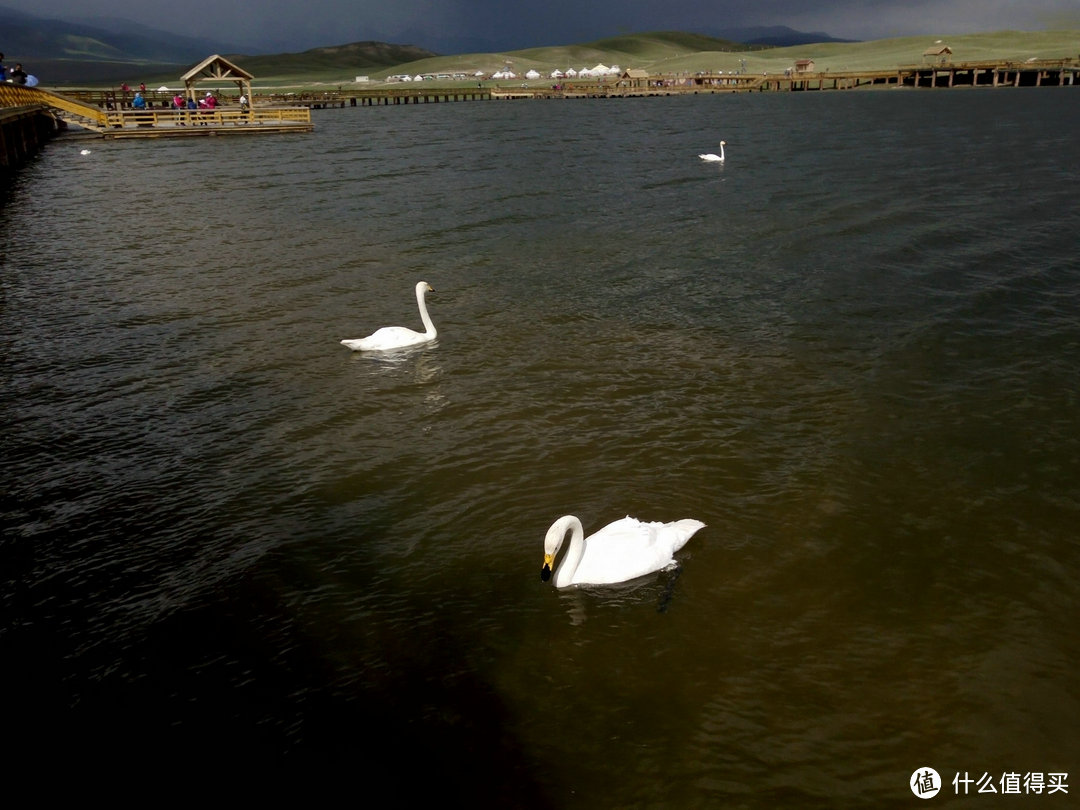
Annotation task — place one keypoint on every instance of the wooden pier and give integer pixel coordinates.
(380, 96)
(1032, 73)
(157, 122)
(23, 130)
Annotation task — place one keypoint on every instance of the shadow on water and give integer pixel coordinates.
(246, 683)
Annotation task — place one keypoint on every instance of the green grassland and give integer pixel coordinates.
(672, 52)
(657, 52)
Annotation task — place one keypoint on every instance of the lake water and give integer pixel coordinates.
(852, 350)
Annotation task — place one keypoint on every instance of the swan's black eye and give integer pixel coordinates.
(545, 574)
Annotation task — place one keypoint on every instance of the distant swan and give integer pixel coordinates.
(85, 152)
(715, 158)
(620, 551)
(397, 337)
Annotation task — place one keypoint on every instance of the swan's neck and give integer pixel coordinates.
(721, 151)
(429, 327)
(564, 575)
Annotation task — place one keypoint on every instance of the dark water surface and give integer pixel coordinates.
(853, 351)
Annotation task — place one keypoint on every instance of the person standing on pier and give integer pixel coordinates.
(17, 74)
(3, 70)
(193, 109)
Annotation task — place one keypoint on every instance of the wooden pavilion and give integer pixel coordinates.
(937, 53)
(216, 69)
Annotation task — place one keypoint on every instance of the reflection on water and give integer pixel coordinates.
(224, 532)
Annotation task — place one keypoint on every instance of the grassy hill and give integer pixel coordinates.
(352, 59)
(657, 52)
(626, 51)
(666, 52)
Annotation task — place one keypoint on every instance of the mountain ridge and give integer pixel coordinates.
(107, 49)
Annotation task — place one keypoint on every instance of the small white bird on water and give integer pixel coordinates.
(621, 551)
(715, 158)
(398, 337)
(85, 152)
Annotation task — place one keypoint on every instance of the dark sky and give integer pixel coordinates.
(460, 26)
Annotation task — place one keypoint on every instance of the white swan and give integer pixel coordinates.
(715, 158)
(397, 337)
(618, 552)
(85, 152)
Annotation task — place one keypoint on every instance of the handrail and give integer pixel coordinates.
(219, 116)
(14, 95)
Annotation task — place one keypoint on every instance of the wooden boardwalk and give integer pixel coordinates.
(23, 130)
(1031, 73)
(158, 122)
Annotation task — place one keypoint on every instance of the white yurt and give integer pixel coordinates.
(532, 74)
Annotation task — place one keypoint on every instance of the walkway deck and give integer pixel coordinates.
(159, 122)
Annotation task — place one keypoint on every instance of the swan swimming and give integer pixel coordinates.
(715, 158)
(622, 550)
(397, 337)
(85, 152)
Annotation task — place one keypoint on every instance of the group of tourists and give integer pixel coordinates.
(15, 75)
(185, 108)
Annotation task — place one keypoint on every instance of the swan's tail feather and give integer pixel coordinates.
(683, 531)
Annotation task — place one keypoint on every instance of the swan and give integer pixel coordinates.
(85, 152)
(397, 337)
(715, 158)
(622, 550)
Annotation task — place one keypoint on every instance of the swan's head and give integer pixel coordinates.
(553, 541)
(723, 143)
(423, 287)
(551, 548)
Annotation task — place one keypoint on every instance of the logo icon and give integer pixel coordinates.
(925, 783)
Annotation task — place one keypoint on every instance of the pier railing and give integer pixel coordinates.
(15, 95)
(125, 121)
(219, 116)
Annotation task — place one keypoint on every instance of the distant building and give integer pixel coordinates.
(937, 54)
(804, 65)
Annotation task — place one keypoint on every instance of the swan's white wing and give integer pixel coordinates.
(389, 337)
(628, 548)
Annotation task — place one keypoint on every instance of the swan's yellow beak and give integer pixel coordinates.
(545, 572)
